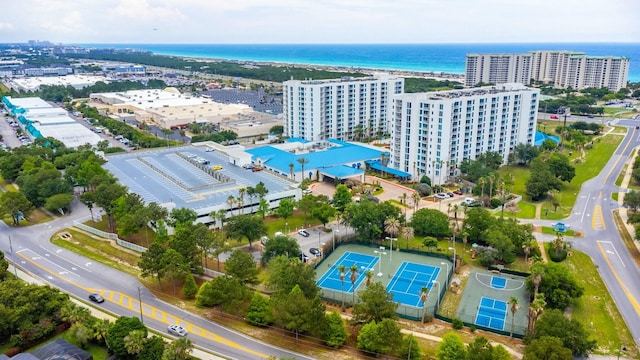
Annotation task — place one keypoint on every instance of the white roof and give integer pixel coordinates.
(30, 103)
(71, 135)
(52, 120)
(42, 112)
(77, 81)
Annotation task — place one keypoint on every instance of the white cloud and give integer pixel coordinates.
(326, 21)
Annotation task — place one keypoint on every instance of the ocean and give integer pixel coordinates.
(448, 58)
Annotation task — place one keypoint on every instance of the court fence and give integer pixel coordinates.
(468, 320)
(509, 271)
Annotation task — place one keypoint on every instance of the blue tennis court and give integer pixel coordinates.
(492, 313)
(407, 282)
(498, 282)
(331, 279)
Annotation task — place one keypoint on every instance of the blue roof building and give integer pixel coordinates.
(331, 158)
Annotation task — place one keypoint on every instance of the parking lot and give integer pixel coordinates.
(258, 100)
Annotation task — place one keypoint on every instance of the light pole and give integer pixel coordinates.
(380, 253)
(140, 303)
(437, 295)
(444, 263)
(454, 257)
(318, 237)
(391, 240)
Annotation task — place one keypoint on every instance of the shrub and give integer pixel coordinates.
(423, 189)
(554, 256)
(495, 202)
(457, 323)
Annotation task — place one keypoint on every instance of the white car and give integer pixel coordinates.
(177, 330)
(441, 196)
(307, 191)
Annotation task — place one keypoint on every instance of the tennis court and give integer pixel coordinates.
(331, 279)
(492, 313)
(409, 279)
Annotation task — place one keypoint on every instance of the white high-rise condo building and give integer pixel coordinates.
(345, 109)
(431, 133)
(560, 68)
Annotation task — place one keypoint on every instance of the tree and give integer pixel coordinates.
(424, 293)
(185, 242)
(430, 222)
(250, 226)
(513, 301)
(423, 189)
(178, 349)
(284, 273)
(380, 338)
(119, 330)
(58, 202)
(407, 233)
(175, 266)
(296, 313)
(481, 349)
(632, 200)
(542, 180)
(16, 205)
(134, 341)
(277, 130)
(190, 288)
(374, 304)
(151, 262)
(392, 226)
(451, 348)
(81, 334)
(354, 276)
(153, 349)
(342, 197)
(476, 222)
(335, 334)
(524, 153)
(323, 213)
(430, 242)
(260, 311)
(561, 167)
(367, 217)
(285, 208)
(535, 309)
(302, 161)
(105, 196)
(225, 291)
(558, 285)
(280, 246)
(100, 328)
(573, 335)
(410, 349)
(546, 348)
(342, 269)
(182, 216)
(242, 266)
(4, 265)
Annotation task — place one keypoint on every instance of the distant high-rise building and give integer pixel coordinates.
(560, 68)
(345, 109)
(433, 132)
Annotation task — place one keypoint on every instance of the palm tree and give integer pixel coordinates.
(231, 200)
(482, 182)
(536, 272)
(492, 178)
(354, 276)
(368, 275)
(416, 200)
(558, 243)
(134, 342)
(291, 166)
(407, 232)
(178, 349)
(535, 309)
(424, 292)
(342, 269)
(302, 161)
(100, 329)
(514, 309)
(392, 226)
(241, 192)
(527, 246)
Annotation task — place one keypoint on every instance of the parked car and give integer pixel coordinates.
(256, 168)
(177, 330)
(307, 191)
(457, 192)
(304, 232)
(303, 257)
(441, 196)
(315, 252)
(217, 167)
(96, 298)
(554, 117)
(450, 194)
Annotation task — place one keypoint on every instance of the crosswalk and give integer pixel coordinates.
(597, 220)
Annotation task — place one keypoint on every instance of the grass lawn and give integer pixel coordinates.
(552, 231)
(597, 307)
(527, 211)
(99, 250)
(614, 196)
(294, 222)
(621, 175)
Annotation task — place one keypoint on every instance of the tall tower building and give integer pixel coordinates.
(432, 133)
(345, 109)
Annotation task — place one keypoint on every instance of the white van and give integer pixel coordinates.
(469, 200)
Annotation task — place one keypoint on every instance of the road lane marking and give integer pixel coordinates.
(206, 334)
(584, 211)
(69, 261)
(626, 291)
(618, 159)
(597, 221)
(614, 251)
(63, 269)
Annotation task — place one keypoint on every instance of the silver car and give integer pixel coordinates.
(177, 330)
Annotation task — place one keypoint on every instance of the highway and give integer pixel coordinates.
(31, 250)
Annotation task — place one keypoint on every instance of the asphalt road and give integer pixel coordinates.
(592, 214)
(31, 250)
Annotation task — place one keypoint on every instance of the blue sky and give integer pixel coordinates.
(319, 21)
